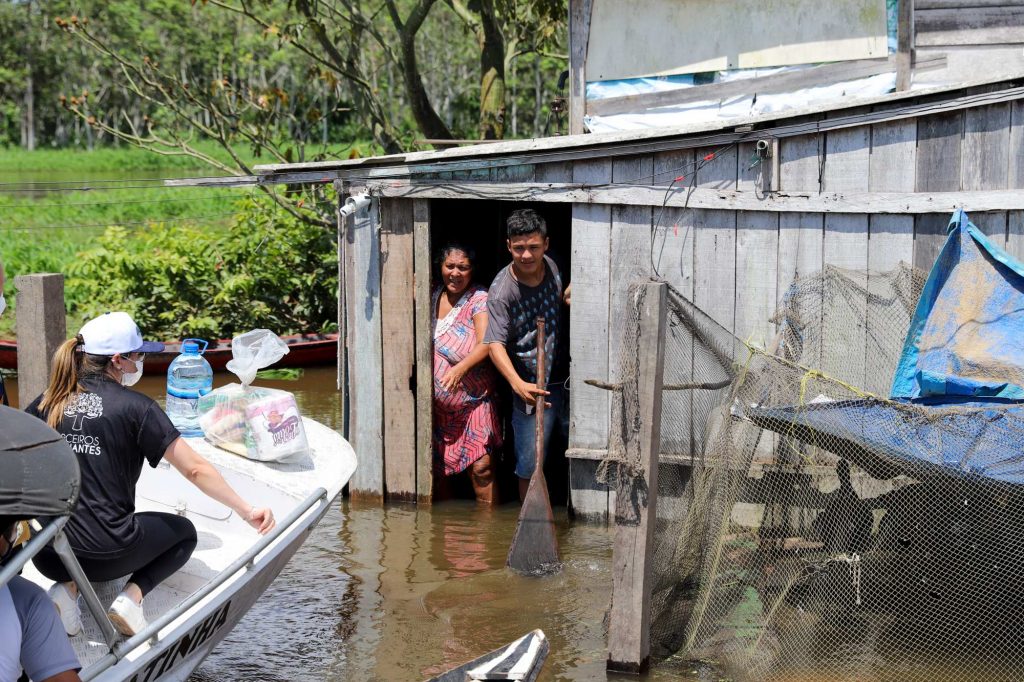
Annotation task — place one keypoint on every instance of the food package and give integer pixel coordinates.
(259, 423)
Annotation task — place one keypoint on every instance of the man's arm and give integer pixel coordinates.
(525, 390)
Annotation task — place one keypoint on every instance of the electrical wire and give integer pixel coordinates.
(697, 166)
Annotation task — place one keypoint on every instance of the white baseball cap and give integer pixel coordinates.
(112, 333)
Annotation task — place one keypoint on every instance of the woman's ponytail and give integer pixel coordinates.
(63, 381)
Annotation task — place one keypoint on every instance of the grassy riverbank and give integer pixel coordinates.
(105, 220)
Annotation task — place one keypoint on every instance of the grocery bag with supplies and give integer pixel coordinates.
(259, 423)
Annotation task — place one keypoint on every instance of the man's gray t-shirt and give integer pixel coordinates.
(45, 647)
(512, 312)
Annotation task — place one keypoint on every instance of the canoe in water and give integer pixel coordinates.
(520, 660)
(304, 350)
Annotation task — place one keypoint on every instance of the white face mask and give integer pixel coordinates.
(3, 305)
(132, 378)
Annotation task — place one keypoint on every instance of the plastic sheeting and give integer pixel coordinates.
(732, 107)
(886, 439)
(966, 338)
(39, 473)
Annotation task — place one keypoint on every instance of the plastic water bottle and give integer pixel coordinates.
(188, 377)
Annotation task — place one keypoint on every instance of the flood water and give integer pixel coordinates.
(403, 593)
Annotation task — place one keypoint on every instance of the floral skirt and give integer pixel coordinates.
(463, 436)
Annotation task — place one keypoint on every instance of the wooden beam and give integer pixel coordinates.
(424, 352)
(579, 35)
(631, 143)
(229, 181)
(41, 328)
(786, 81)
(629, 625)
(899, 203)
(365, 360)
(397, 328)
(905, 45)
(342, 375)
(975, 26)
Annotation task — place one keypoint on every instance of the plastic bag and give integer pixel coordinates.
(259, 423)
(252, 351)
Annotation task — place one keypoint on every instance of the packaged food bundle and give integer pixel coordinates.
(260, 423)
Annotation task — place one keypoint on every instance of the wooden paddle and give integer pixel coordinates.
(534, 546)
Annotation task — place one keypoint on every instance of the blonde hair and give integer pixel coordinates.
(70, 367)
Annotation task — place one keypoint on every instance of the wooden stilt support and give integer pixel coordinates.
(636, 502)
(41, 329)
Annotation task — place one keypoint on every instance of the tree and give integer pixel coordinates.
(359, 50)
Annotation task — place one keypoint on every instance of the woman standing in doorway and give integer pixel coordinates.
(467, 431)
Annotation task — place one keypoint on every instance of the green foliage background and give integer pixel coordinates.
(265, 270)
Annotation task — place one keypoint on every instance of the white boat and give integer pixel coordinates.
(193, 610)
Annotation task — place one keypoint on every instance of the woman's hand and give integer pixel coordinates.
(453, 377)
(261, 518)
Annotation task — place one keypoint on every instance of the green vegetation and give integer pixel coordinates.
(186, 261)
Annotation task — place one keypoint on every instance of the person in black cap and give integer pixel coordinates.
(113, 431)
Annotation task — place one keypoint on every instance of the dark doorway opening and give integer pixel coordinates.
(480, 225)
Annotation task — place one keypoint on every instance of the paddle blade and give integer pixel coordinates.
(534, 547)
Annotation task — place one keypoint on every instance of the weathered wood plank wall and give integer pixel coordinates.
(588, 316)
(397, 326)
(365, 359)
(737, 265)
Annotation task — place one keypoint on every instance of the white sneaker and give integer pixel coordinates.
(67, 607)
(126, 615)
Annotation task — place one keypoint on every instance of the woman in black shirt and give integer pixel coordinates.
(114, 430)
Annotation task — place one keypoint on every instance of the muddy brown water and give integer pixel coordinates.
(403, 593)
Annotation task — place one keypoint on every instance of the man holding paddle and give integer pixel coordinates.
(530, 287)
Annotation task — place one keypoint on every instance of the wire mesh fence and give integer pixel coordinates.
(809, 527)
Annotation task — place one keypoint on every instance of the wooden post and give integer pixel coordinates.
(365, 362)
(397, 329)
(629, 629)
(579, 34)
(905, 45)
(41, 328)
(424, 356)
(342, 377)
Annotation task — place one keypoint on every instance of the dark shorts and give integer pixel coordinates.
(524, 432)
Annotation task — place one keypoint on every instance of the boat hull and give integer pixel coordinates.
(304, 350)
(182, 647)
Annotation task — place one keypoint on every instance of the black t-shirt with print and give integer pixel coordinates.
(512, 311)
(112, 430)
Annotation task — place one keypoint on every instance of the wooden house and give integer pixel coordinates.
(728, 212)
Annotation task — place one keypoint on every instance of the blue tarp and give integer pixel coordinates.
(967, 334)
(964, 350)
(885, 440)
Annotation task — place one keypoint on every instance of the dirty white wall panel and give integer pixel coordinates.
(589, 406)
(968, 22)
(673, 262)
(847, 155)
(757, 254)
(365, 353)
(800, 234)
(688, 36)
(985, 162)
(890, 238)
(939, 140)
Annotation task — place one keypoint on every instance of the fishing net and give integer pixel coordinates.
(807, 527)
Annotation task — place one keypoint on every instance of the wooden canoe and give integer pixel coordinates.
(520, 660)
(304, 350)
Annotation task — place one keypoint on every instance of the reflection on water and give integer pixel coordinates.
(403, 593)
